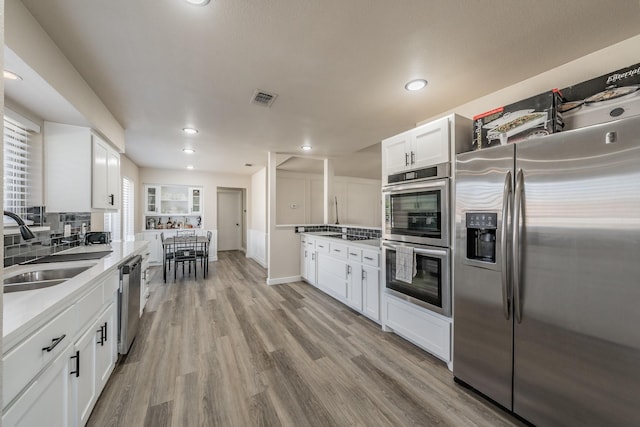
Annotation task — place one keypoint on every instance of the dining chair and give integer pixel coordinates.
(185, 251)
(167, 256)
(203, 253)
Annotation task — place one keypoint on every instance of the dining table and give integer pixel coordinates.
(202, 250)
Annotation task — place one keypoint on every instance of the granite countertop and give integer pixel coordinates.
(368, 243)
(26, 311)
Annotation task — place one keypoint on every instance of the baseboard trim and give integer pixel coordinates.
(283, 280)
(262, 263)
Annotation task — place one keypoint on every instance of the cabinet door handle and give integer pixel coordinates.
(105, 331)
(77, 357)
(101, 332)
(305, 254)
(313, 257)
(352, 254)
(337, 250)
(368, 258)
(406, 159)
(112, 199)
(364, 275)
(54, 343)
(413, 158)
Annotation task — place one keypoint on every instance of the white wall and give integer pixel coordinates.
(358, 200)
(207, 180)
(24, 36)
(257, 223)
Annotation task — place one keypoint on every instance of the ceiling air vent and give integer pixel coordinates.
(264, 98)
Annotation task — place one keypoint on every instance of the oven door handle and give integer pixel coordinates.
(396, 189)
(433, 252)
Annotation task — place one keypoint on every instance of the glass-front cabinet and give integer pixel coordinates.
(195, 200)
(152, 197)
(173, 206)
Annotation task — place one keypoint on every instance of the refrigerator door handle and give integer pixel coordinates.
(515, 246)
(506, 208)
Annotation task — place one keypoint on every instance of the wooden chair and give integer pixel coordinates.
(185, 252)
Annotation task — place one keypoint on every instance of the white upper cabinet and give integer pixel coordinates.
(82, 171)
(417, 148)
(152, 199)
(195, 200)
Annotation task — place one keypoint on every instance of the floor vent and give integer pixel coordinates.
(261, 97)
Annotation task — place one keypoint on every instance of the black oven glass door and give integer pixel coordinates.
(418, 213)
(430, 286)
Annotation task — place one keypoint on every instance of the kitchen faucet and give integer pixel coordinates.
(26, 233)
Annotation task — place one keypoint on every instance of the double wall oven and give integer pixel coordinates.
(417, 216)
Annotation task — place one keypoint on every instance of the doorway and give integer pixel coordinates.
(231, 219)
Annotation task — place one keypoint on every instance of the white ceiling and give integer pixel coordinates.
(338, 67)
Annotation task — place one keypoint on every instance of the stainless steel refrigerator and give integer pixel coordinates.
(547, 275)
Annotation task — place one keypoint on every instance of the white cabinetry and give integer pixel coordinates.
(151, 199)
(347, 272)
(195, 200)
(308, 259)
(422, 327)
(155, 246)
(423, 146)
(426, 145)
(82, 171)
(48, 401)
(181, 203)
(55, 376)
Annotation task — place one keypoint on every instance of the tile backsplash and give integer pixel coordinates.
(47, 242)
(372, 233)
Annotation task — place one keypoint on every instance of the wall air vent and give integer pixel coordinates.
(264, 98)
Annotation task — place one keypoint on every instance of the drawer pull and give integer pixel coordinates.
(54, 343)
(320, 246)
(352, 254)
(77, 357)
(368, 258)
(337, 250)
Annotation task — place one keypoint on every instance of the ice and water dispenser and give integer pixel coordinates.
(481, 236)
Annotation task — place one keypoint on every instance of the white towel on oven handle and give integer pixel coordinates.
(405, 264)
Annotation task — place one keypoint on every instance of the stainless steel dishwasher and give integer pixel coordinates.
(129, 302)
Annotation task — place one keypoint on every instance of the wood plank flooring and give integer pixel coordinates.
(232, 351)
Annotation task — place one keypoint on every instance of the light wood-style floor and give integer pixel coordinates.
(232, 351)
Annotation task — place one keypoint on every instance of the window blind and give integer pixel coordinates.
(128, 213)
(16, 166)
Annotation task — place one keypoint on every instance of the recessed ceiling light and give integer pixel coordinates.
(190, 131)
(10, 75)
(189, 150)
(306, 147)
(199, 2)
(414, 85)
(189, 167)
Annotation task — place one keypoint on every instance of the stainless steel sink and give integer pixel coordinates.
(39, 279)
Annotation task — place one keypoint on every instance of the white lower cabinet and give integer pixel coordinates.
(422, 327)
(95, 357)
(48, 401)
(350, 274)
(371, 292)
(54, 377)
(354, 285)
(332, 275)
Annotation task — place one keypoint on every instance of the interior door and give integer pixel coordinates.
(577, 342)
(229, 220)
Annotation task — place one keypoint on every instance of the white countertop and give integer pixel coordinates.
(26, 311)
(368, 243)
